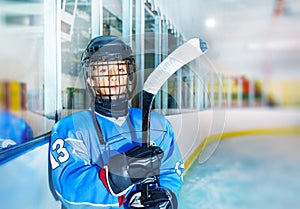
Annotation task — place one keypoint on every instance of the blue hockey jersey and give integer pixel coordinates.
(77, 156)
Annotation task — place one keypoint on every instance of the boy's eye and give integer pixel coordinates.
(122, 68)
(102, 70)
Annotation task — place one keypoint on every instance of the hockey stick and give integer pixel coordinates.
(179, 57)
(182, 55)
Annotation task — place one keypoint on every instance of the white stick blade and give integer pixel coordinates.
(178, 58)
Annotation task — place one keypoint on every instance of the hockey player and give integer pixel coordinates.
(96, 155)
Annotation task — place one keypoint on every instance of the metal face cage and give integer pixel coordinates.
(111, 80)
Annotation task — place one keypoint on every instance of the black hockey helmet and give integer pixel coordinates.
(104, 51)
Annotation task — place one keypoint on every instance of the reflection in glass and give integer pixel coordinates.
(112, 17)
(22, 72)
(73, 92)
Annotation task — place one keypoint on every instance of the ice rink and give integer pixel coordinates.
(246, 172)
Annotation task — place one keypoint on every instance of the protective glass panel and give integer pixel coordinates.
(22, 94)
(112, 17)
(74, 96)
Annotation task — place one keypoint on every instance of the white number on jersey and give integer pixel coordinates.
(63, 155)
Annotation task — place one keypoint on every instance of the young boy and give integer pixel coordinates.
(97, 156)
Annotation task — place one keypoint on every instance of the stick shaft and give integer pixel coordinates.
(181, 56)
(147, 104)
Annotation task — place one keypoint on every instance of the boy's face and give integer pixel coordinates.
(109, 78)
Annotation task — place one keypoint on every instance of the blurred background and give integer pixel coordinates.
(257, 39)
(246, 84)
(252, 61)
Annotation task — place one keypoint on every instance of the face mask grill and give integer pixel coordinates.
(111, 80)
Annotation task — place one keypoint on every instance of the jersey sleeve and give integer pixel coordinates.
(75, 179)
(172, 168)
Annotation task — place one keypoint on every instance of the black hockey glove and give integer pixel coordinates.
(159, 198)
(139, 165)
